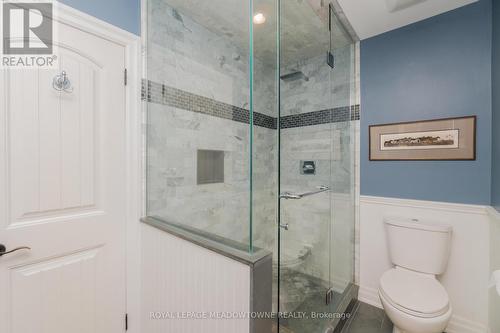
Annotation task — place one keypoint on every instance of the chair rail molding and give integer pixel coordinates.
(435, 205)
(493, 213)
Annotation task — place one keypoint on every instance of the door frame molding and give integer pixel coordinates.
(133, 163)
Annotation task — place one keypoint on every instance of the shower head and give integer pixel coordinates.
(294, 76)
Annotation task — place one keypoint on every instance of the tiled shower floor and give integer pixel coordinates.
(303, 293)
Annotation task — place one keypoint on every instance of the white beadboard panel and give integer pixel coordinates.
(51, 139)
(178, 276)
(468, 268)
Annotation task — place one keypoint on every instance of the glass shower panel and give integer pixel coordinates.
(265, 137)
(305, 164)
(264, 129)
(198, 110)
(316, 165)
(343, 172)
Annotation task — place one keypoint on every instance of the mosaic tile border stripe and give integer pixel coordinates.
(157, 93)
(327, 116)
(165, 95)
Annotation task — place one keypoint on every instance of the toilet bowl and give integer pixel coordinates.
(416, 303)
(412, 297)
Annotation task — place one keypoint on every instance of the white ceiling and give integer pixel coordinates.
(373, 17)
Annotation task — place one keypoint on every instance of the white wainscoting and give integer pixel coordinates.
(494, 297)
(468, 273)
(178, 276)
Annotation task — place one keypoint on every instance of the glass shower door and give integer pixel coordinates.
(316, 182)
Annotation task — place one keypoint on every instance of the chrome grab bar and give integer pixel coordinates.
(297, 196)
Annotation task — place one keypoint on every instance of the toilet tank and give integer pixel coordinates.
(418, 245)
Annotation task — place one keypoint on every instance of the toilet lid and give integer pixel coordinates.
(419, 294)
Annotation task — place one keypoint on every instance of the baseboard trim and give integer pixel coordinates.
(461, 325)
(444, 206)
(369, 296)
(457, 324)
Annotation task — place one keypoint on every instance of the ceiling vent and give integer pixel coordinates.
(397, 5)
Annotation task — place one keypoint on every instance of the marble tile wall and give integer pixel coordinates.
(326, 88)
(162, 94)
(155, 92)
(174, 136)
(325, 222)
(190, 68)
(188, 56)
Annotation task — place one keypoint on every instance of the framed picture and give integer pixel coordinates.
(428, 140)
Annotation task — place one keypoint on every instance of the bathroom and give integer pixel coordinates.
(295, 166)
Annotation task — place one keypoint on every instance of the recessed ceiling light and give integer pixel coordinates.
(259, 18)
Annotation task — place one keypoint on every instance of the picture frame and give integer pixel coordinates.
(446, 139)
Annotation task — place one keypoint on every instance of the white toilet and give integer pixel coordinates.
(412, 297)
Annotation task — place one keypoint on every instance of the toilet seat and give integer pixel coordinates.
(414, 293)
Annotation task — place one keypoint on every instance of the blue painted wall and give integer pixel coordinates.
(125, 14)
(437, 68)
(495, 184)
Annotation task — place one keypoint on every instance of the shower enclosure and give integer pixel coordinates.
(250, 140)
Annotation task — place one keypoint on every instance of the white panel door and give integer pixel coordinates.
(62, 192)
